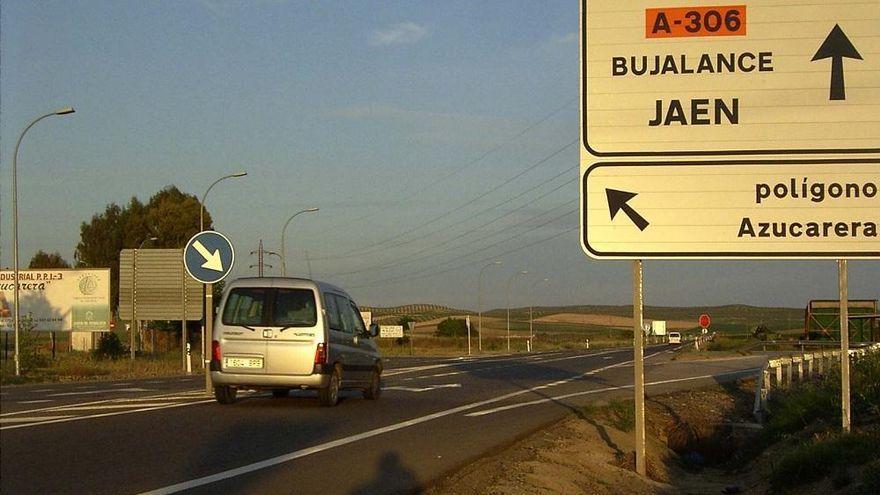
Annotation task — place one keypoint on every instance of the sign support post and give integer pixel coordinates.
(208, 257)
(844, 343)
(639, 366)
(209, 332)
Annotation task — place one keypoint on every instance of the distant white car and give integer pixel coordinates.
(674, 337)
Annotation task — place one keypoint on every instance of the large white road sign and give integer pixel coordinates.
(742, 209)
(663, 78)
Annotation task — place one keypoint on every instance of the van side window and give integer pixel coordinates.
(360, 327)
(332, 313)
(351, 319)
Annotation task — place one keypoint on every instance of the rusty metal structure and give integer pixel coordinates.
(822, 320)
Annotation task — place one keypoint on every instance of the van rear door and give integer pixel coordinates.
(242, 344)
(294, 331)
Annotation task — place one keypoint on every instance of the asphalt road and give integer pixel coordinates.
(435, 415)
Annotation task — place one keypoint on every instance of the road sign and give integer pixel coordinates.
(750, 78)
(391, 331)
(208, 256)
(732, 209)
(163, 290)
(705, 321)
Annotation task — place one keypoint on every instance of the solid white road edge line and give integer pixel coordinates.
(606, 389)
(256, 466)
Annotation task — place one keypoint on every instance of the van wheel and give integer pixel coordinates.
(375, 389)
(329, 396)
(280, 393)
(224, 394)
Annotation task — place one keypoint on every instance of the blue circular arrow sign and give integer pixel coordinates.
(208, 257)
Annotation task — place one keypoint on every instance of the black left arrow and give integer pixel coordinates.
(837, 46)
(617, 201)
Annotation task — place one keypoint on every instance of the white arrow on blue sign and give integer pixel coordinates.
(208, 256)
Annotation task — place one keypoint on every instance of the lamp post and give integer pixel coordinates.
(134, 326)
(509, 284)
(60, 111)
(480, 302)
(205, 196)
(531, 333)
(208, 289)
(283, 229)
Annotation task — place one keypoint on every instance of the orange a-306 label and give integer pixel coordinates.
(686, 22)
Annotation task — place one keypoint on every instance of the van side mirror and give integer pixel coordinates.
(374, 329)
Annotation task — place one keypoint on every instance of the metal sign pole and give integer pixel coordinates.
(132, 328)
(209, 333)
(844, 343)
(639, 366)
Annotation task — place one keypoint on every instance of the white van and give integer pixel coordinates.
(674, 337)
(277, 334)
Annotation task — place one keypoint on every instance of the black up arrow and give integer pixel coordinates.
(836, 46)
(617, 201)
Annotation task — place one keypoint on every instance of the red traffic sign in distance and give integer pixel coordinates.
(705, 320)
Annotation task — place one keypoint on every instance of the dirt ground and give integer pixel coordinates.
(587, 454)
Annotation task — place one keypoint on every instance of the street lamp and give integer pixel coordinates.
(510, 283)
(480, 302)
(134, 328)
(60, 111)
(531, 333)
(283, 229)
(205, 196)
(206, 288)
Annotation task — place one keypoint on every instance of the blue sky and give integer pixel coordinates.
(434, 137)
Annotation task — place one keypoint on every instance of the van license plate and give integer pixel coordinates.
(241, 362)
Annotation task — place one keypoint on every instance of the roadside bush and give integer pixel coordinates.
(816, 460)
(870, 478)
(29, 346)
(451, 327)
(109, 346)
(794, 409)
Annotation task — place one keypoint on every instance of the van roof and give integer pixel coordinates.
(289, 282)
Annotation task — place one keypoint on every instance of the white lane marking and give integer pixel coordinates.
(35, 401)
(133, 389)
(121, 384)
(44, 390)
(440, 375)
(231, 473)
(518, 360)
(23, 419)
(102, 401)
(606, 389)
(425, 389)
(104, 415)
(113, 406)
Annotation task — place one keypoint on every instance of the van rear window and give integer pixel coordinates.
(270, 307)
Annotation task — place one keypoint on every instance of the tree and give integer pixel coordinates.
(170, 215)
(451, 327)
(45, 260)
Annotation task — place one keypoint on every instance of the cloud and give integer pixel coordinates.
(399, 34)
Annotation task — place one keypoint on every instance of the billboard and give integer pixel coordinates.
(57, 299)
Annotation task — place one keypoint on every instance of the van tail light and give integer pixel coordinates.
(321, 354)
(216, 355)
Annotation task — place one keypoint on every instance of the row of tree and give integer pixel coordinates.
(170, 215)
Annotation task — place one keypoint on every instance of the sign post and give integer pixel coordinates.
(844, 343)
(639, 366)
(208, 257)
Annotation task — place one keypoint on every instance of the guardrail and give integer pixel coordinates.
(781, 372)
